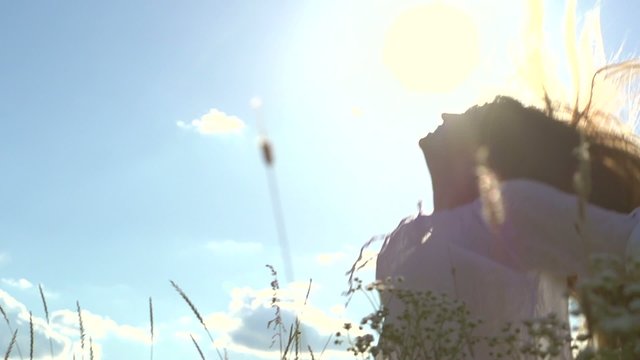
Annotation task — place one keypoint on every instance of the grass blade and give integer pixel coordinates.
(13, 342)
(192, 306)
(290, 340)
(4, 315)
(151, 323)
(195, 312)
(197, 347)
(6, 319)
(311, 352)
(30, 336)
(46, 313)
(82, 334)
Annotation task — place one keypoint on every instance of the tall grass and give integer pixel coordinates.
(267, 152)
(46, 314)
(31, 340)
(195, 311)
(6, 320)
(81, 328)
(90, 348)
(195, 343)
(454, 333)
(11, 344)
(151, 324)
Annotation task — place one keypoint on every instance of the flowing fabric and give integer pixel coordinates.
(518, 272)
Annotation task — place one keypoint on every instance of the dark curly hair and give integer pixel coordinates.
(532, 143)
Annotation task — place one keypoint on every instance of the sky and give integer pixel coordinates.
(129, 153)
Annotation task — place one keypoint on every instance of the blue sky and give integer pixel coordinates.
(104, 198)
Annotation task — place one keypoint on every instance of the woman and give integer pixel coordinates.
(509, 250)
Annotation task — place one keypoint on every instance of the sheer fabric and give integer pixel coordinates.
(519, 272)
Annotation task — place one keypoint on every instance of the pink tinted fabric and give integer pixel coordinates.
(518, 273)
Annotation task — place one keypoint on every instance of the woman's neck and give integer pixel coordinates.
(449, 195)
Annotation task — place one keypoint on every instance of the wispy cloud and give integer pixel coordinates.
(233, 247)
(215, 122)
(4, 258)
(256, 102)
(21, 283)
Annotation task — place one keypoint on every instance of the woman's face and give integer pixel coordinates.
(450, 149)
(450, 153)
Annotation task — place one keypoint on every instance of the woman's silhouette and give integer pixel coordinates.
(517, 270)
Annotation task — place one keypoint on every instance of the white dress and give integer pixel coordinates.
(516, 274)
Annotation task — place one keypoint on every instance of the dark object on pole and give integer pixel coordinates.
(267, 155)
(267, 152)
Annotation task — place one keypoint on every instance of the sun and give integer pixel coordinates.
(431, 48)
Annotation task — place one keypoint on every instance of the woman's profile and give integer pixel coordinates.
(515, 265)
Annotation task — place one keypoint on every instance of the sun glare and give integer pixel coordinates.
(431, 48)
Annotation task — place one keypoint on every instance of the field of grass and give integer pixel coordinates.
(433, 326)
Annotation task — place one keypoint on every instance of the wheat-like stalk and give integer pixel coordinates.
(192, 306)
(90, 348)
(266, 148)
(6, 319)
(195, 311)
(30, 336)
(13, 342)
(44, 302)
(46, 313)
(4, 315)
(82, 334)
(151, 324)
(197, 347)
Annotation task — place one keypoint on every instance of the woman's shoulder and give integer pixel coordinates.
(409, 228)
(527, 196)
(517, 195)
(416, 229)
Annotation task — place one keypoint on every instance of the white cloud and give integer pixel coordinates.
(222, 322)
(233, 247)
(18, 316)
(243, 327)
(22, 283)
(97, 326)
(326, 259)
(62, 330)
(215, 122)
(338, 309)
